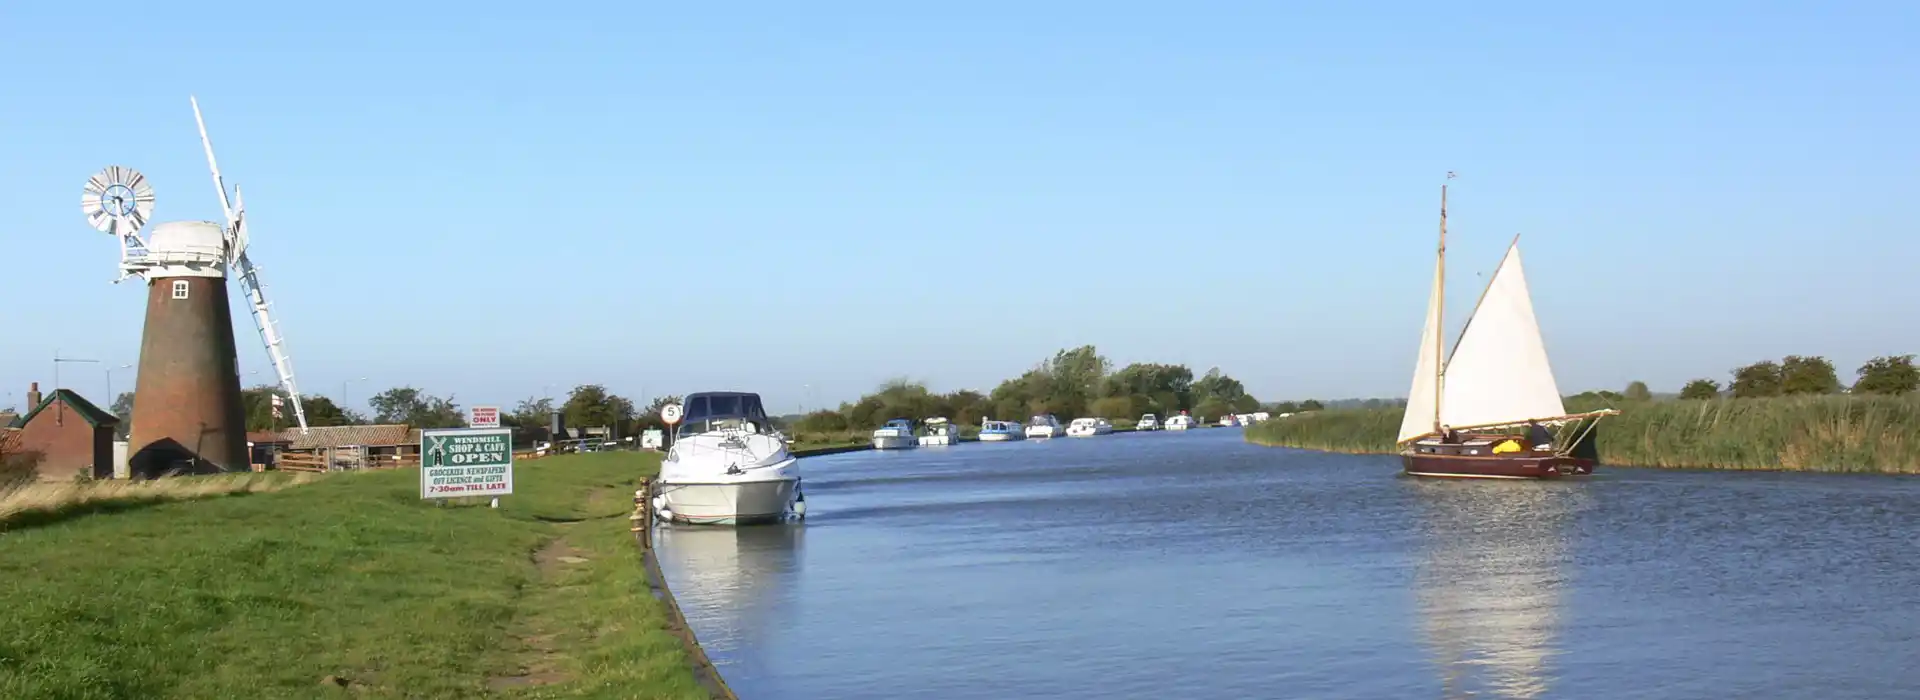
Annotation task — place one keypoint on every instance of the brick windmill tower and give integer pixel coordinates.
(187, 415)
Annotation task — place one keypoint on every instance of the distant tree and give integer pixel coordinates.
(1311, 405)
(257, 404)
(966, 407)
(1808, 375)
(1246, 404)
(1700, 389)
(1286, 407)
(417, 408)
(1113, 407)
(592, 406)
(531, 420)
(1212, 409)
(1757, 380)
(123, 408)
(1892, 374)
(822, 422)
(1638, 391)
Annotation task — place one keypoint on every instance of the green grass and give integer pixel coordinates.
(1875, 434)
(352, 576)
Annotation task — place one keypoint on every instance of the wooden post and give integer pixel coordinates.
(642, 518)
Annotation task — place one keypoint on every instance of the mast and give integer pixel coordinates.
(1440, 309)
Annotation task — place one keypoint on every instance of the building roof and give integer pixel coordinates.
(80, 405)
(262, 437)
(344, 435)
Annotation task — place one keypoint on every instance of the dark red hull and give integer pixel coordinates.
(1515, 466)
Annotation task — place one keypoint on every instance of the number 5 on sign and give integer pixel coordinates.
(671, 413)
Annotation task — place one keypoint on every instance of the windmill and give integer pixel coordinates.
(189, 415)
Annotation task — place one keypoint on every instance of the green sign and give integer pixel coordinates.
(466, 462)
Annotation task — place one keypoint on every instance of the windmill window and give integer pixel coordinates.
(179, 289)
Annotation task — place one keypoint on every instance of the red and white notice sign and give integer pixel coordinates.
(484, 417)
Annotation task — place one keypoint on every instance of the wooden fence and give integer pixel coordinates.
(337, 459)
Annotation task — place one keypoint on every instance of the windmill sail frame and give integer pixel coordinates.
(249, 276)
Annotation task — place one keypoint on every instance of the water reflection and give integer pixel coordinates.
(1490, 580)
(733, 576)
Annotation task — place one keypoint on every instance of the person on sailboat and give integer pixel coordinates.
(1538, 436)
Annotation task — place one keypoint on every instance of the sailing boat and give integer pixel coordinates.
(1486, 409)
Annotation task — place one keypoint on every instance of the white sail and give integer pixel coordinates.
(1423, 398)
(1498, 372)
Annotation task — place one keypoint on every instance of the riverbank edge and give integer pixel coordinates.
(1257, 440)
(699, 663)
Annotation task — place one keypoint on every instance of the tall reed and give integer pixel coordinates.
(45, 500)
(1877, 434)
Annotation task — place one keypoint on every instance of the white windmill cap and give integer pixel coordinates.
(187, 249)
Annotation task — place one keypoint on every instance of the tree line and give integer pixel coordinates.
(587, 405)
(1074, 383)
(1892, 375)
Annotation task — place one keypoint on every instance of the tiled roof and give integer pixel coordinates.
(343, 435)
(80, 405)
(261, 437)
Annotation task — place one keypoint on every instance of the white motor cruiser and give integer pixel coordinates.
(1045, 426)
(897, 434)
(1089, 427)
(1147, 422)
(727, 465)
(1181, 422)
(940, 431)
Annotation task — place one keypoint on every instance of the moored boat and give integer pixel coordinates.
(897, 434)
(1147, 422)
(1182, 422)
(940, 432)
(1491, 409)
(1001, 431)
(1089, 427)
(727, 466)
(1045, 426)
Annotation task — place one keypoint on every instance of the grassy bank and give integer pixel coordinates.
(1817, 433)
(348, 586)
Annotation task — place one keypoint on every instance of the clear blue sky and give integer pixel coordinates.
(766, 196)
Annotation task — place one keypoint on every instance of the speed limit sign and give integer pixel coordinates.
(671, 413)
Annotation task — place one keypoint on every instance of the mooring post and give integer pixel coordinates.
(642, 518)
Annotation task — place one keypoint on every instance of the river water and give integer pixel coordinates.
(1193, 564)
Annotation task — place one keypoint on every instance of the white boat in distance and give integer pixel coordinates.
(1001, 431)
(1147, 422)
(727, 466)
(1044, 426)
(1089, 427)
(1228, 421)
(1181, 422)
(897, 434)
(940, 432)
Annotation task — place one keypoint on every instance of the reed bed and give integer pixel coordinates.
(1866, 434)
(33, 501)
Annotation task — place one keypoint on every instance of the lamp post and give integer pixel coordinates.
(110, 371)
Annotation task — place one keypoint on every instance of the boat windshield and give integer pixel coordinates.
(710, 411)
(1041, 421)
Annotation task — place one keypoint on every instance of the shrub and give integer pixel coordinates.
(18, 466)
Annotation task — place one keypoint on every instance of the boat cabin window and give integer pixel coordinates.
(710, 412)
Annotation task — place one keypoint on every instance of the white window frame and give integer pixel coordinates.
(180, 289)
